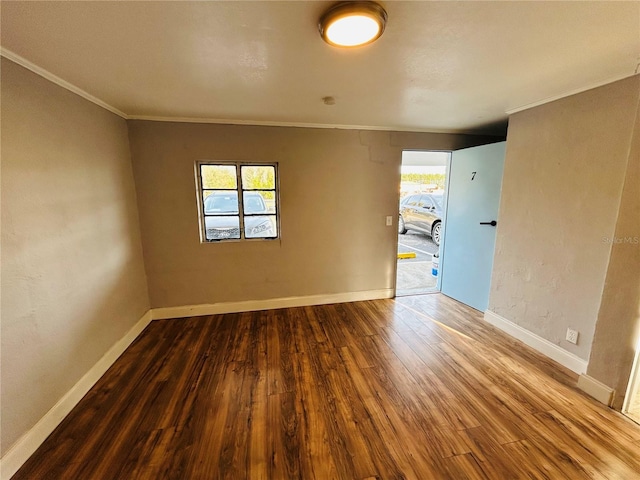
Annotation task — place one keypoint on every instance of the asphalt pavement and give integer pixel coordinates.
(419, 243)
(414, 274)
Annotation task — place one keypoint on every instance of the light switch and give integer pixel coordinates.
(389, 220)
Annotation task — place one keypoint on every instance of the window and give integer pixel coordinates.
(238, 201)
(413, 200)
(425, 202)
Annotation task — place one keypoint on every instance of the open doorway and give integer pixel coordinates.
(421, 221)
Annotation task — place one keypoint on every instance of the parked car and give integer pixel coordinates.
(423, 213)
(222, 221)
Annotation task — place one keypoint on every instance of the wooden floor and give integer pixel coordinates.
(416, 388)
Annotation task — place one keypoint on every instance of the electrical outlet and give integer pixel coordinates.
(572, 336)
(389, 220)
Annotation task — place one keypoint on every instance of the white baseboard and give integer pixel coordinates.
(20, 452)
(542, 345)
(597, 390)
(269, 304)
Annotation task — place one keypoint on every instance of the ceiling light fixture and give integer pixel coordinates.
(352, 24)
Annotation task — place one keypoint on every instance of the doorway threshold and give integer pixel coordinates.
(411, 293)
(415, 278)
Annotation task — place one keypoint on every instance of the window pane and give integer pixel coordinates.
(425, 202)
(258, 202)
(218, 202)
(222, 228)
(218, 176)
(221, 215)
(262, 226)
(258, 178)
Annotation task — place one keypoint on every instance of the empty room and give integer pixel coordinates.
(202, 205)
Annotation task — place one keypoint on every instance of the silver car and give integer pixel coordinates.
(222, 221)
(423, 213)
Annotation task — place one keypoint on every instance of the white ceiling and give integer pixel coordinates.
(440, 66)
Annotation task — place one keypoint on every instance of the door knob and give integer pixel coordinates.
(493, 223)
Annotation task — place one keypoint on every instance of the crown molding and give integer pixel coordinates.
(568, 94)
(267, 123)
(15, 58)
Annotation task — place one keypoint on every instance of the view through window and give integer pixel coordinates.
(239, 201)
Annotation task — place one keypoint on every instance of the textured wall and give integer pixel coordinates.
(618, 327)
(73, 279)
(337, 186)
(564, 172)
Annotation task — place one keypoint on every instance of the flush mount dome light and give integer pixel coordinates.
(351, 24)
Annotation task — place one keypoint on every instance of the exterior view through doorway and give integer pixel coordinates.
(421, 220)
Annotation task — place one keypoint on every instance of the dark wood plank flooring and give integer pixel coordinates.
(415, 388)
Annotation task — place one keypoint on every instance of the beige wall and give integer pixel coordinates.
(618, 327)
(336, 187)
(73, 279)
(564, 173)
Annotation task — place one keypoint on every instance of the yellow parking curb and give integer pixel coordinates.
(406, 255)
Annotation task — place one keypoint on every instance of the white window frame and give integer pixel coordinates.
(241, 215)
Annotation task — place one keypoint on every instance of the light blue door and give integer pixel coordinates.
(475, 179)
